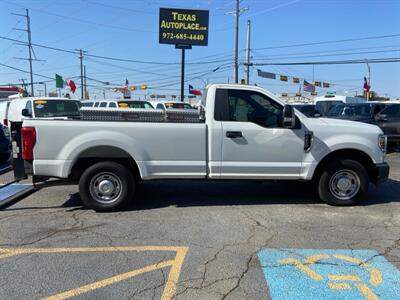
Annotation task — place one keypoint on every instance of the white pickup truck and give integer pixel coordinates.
(244, 133)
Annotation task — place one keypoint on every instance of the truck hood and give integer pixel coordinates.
(341, 126)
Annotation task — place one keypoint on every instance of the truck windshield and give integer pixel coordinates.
(56, 108)
(324, 106)
(178, 105)
(134, 104)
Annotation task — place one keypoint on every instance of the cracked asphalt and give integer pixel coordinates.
(223, 224)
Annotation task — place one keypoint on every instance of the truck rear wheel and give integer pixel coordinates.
(106, 186)
(343, 182)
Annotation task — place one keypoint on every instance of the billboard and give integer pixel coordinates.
(183, 26)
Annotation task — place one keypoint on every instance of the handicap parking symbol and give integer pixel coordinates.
(329, 274)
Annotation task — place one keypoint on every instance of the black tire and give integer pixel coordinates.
(106, 180)
(354, 185)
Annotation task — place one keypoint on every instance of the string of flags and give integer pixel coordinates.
(307, 86)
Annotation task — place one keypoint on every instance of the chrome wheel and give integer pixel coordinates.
(344, 184)
(105, 187)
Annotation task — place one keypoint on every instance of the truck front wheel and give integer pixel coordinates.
(343, 182)
(106, 186)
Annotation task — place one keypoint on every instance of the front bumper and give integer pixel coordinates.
(381, 173)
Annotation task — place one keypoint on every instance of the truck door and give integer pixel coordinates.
(254, 143)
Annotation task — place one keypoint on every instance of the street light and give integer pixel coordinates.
(45, 88)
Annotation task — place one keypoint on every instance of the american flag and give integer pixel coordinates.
(308, 87)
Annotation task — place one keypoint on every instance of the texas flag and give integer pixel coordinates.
(193, 91)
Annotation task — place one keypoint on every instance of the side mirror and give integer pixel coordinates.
(289, 117)
(381, 118)
(25, 113)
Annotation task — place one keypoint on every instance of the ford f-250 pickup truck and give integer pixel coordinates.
(244, 133)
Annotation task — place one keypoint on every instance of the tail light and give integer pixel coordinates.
(5, 122)
(28, 142)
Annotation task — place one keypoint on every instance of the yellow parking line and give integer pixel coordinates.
(170, 285)
(108, 281)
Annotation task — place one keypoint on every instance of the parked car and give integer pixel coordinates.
(361, 112)
(45, 107)
(389, 121)
(245, 133)
(325, 103)
(117, 104)
(5, 145)
(308, 110)
(172, 105)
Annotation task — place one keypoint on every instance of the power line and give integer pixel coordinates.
(17, 69)
(326, 55)
(331, 42)
(334, 62)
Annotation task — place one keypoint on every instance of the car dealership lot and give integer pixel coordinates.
(212, 235)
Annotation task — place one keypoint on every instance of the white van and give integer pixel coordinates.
(42, 107)
(117, 104)
(324, 103)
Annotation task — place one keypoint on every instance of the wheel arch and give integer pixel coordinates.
(352, 154)
(95, 154)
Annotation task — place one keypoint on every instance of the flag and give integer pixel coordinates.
(266, 74)
(71, 85)
(366, 85)
(59, 81)
(193, 91)
(326, 85)
(283, 78)
(308, 87)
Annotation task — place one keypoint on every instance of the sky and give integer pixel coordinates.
(333, 30)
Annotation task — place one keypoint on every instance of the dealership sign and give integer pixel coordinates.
(183, 26)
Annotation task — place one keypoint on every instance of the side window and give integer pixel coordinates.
(28, 106)
(112, 104)
(251, 106)
(160, 106)
(103, 104)
(393, 111)
(96, 104)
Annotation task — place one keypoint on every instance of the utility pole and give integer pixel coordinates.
(237, 13)
(29, 44)
(81, 60)
(237, 42)
(84, 80)
(248, 53)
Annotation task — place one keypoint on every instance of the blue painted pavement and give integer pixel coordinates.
(329, 274)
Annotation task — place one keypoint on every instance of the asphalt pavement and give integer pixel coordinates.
(204, 240)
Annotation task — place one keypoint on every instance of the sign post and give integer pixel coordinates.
(183, 28)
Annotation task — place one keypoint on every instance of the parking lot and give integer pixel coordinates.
(204, 240)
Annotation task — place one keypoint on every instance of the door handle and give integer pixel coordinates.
(234, 134)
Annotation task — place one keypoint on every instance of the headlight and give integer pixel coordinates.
(382, 142)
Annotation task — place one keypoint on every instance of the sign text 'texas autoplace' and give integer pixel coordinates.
(183, 26)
